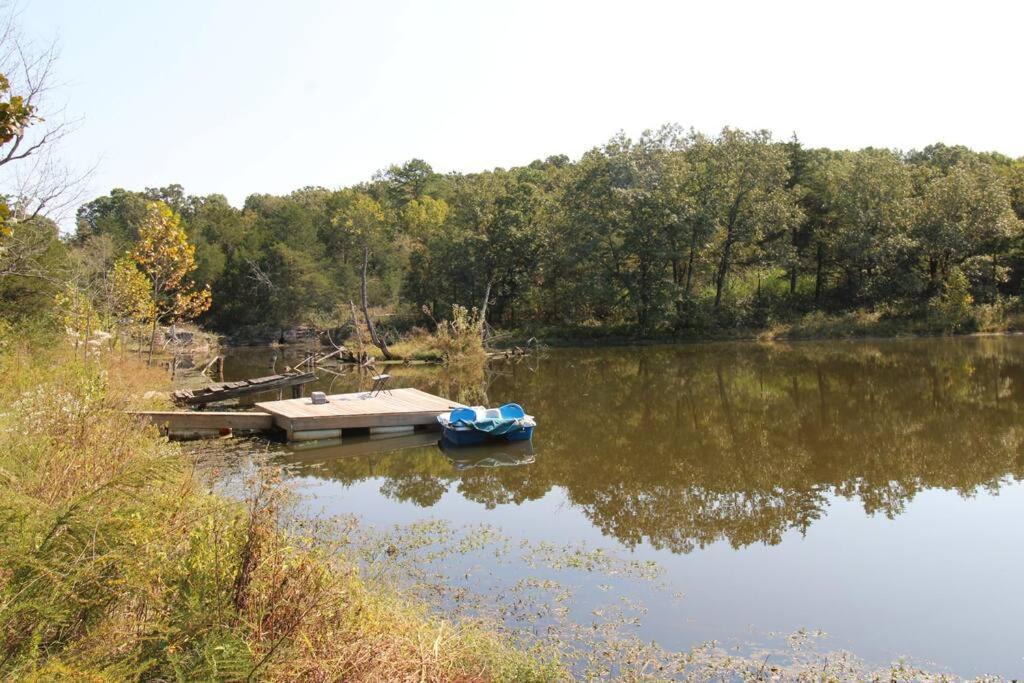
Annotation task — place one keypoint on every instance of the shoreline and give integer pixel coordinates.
(614, 340)
(584, 342)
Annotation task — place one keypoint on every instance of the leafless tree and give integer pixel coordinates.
(258, 275)
(19, 256)
(33, 179)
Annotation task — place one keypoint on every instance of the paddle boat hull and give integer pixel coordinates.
(472, 437)
(478, 425)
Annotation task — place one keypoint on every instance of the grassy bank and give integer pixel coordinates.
(116, 563)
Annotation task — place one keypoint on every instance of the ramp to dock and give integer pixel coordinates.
(229, 390)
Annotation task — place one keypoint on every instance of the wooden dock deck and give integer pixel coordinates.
(395, 408)
(301, 420)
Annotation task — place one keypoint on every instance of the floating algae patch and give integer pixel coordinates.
(586, 604)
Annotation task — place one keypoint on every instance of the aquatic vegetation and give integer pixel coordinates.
(444, 565)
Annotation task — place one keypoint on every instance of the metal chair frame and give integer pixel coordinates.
(380, 385)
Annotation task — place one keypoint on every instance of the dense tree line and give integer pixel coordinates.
(674, 232)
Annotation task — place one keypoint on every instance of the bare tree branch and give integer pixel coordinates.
(260, 276)
(33, 180)
(21, 253)
(45, 187)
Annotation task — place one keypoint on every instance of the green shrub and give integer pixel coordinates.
(950, 310)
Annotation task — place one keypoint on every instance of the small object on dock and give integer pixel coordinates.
(227, 390)
(318, 398)
(380, 385)
(469, 426)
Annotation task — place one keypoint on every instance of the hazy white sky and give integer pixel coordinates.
(243, 96)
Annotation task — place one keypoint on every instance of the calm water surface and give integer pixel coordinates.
(868, 489)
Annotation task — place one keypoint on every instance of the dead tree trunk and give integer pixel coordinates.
(374, 337)
(483, 311)
(359, 334)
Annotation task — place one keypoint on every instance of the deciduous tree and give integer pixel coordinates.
(167, 259)
(365, 220)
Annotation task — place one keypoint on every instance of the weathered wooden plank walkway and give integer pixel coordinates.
(209, 419)
(229, 390)
(301, 419)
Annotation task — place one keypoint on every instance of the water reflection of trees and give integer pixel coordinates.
(684, 446)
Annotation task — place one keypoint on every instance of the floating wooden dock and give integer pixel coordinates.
(229, 390)
(395, 408)
(302, 420)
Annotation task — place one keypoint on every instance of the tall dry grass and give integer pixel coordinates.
(461, 339)
(117, 564)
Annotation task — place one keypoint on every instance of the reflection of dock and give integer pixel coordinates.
(491, 455)
(302, 420)
(360, 445)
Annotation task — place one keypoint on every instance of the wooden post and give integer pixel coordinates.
(297, 391)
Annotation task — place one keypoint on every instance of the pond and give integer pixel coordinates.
(869, 489)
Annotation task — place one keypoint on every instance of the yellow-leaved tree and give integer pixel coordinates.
(166, 258)
(131, 300)
(16, 114)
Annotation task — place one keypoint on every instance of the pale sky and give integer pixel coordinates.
(239, 97)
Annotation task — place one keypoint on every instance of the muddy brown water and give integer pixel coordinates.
(869, 489)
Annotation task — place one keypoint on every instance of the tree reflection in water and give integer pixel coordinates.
(683, 446)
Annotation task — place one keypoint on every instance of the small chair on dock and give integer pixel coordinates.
(380, 385)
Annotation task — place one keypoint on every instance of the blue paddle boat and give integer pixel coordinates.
(477, 425)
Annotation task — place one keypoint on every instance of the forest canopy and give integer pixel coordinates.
(675, 232)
